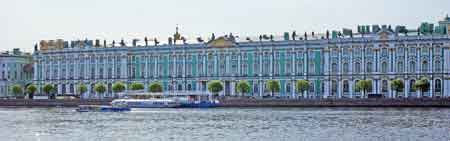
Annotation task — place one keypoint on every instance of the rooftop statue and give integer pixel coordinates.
(156, 42)
(104, 43)
(213, 37)
(122, 43)
(170, 41)
(113, 43)
(200, 40)
(146, 41)
(294, 34)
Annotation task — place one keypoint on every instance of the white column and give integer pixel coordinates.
(327, 89)
(351, 88)
(233, 84)
(406, 88)
(391, 95)
(261, 88)
(339, 88)
(293, 89)
(431, 87)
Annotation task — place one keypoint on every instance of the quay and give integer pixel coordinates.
(244, 102)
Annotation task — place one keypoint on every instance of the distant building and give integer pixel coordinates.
(15, 68)
(333, 63)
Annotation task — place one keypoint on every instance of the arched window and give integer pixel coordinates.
(400, 67)
(437, 85)
(424, 66)
(437, 66)
(369, 67)
(412, 66)
(384, 67)
(411, 85)
(384, 86)
(189, 87)
(334, 87)
(357, 67)
(288, 87)
(334, 68)
(180, 88)
(345, 68)
(346, 86)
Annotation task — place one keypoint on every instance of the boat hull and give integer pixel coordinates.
(102, 109)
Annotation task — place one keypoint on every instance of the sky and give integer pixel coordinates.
(25, 22)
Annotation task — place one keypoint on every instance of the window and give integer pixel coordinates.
(334, 68)
(384, 67)
(334, 87)
(346, 87)
(411, 85)
(437, 85)
(369, 67)
(400, 67)
(437, 66)
(424, 66)
(345, 68)
(384, 86)
(357, 67)
(412, 66)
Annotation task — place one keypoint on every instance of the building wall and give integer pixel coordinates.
(332, 66)
(12, 72)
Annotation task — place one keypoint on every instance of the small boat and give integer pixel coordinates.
(147, 103)
(96, 108)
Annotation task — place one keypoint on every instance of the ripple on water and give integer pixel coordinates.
(227, 124)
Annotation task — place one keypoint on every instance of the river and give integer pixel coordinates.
(334, 124)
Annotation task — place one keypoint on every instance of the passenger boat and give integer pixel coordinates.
(96, 108)
(147, 103)
(190, 102)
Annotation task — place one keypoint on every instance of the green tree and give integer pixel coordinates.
(155, 87)
(118, 87)
(17, 90)
(243, 87)
(273, 86)
(81, 89)
(397, 85)
(137, 86)
(422, 85)
(215, 86)
(364, 86)
(31, 89)
(100, 88)
(49, 90)
(302, 87)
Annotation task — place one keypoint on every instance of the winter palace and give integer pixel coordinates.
(333, 62)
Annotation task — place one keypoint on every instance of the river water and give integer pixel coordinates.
(334, 124)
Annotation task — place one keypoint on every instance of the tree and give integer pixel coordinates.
(81, 89)
(17, 90)
(155, 87)
(31, 89)
(243, 87)
(136, 86)
(273, 86)
(215, 86)
(303, 87)
(49, 89)
(397, 85)
(100, 88)
(422, 85)
(118, 87)
(364, 86)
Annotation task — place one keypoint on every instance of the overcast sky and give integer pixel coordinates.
(25, 22)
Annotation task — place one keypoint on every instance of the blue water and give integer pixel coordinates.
(267, 124)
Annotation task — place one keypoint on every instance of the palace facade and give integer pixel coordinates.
(332, 65)
(16, 68)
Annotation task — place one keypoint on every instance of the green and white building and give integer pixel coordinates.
(332, 62)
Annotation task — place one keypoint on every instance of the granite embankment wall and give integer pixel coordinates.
(336, 103)
(234, 102)
(51, 103)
